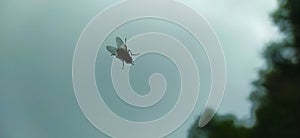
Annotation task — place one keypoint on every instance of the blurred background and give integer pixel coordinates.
(260, 41)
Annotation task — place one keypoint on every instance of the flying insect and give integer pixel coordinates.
(121, 52)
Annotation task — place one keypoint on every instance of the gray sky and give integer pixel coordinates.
(37, 41)
(243, 28)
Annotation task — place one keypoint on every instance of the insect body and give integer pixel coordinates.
(121, 52)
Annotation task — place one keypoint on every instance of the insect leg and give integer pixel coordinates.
(132, 54)
(122, 64)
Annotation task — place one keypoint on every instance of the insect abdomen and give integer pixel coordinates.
(124, 55)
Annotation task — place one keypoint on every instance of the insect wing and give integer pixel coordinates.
(111, 49)
(120, 43)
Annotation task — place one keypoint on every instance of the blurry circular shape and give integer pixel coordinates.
(86, 91)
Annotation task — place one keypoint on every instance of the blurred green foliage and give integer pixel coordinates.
(276, 98)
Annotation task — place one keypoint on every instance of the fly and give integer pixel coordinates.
(121, 52)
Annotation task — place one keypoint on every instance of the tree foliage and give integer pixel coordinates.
(276, 98)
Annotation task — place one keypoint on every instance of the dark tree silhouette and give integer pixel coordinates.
(276, 99)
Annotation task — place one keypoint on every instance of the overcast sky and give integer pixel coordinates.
(37, 41)
(244, 28)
